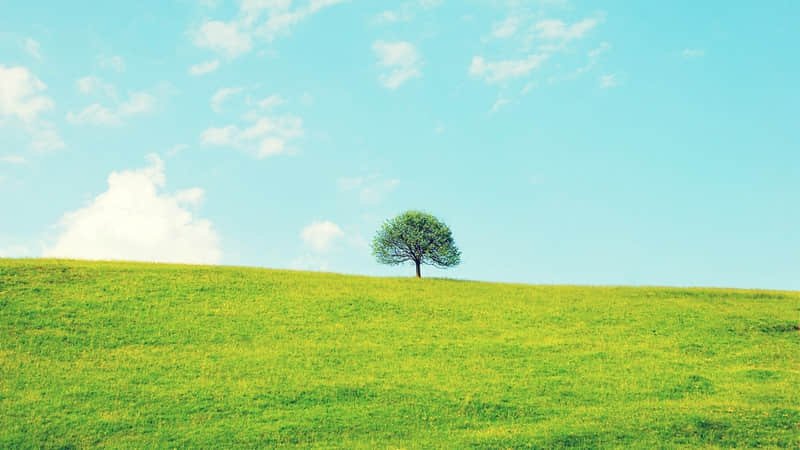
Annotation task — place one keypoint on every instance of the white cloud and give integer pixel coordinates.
(225, 136)
(528, 88)
(537, 37)
(389, 16)
(258, 19)
(21, 99)
(12, 159)
(609, 80)
(693, 53)
(46, 139)
(498, 104)
(20, 94)
(176, 149)
(138, 103)
(428, 4)
(224, 38)
(253, 9)
(497, 71)
(33, 48)
(593, 56)
(286, 127)
(115, 63)
(403, 60)
(405, 11)
(204, 68)
(506, 28)
(135, 220)
(271, 102)
(282, 18)
(552, 29)
(321, 235)
(270, 146)
(604, 47)
(94, 114)
(371, 189)
(191, 196)
(97, 114)
(402, 54)
(96, 86)
(268, 136)
(221, 95)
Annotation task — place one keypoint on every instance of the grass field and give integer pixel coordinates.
(145, 355)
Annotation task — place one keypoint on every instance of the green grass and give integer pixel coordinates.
(145, 355)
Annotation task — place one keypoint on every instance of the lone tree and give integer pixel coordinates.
(416, 236)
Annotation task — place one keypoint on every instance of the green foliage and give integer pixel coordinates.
(168, 356)
(418, 237)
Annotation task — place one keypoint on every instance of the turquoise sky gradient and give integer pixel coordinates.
(563, 142)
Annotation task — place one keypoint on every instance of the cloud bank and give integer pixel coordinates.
(135, 220)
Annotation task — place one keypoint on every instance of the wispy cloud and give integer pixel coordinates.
(506, 28)
(610, 80)
(97, 114)
(281, 18)
(692, 53)
(530, 30)
(267, 136)
(371, 189)
(498, 71)
(498, 104)
(204, 68)
(222, 95)
(258, 20)
(593, 57)
(405, 12)
(33, 48)
(12, 159)
(94, 114)
(225, 38)
(553, 29)
(176, 149)
(46, 138)
(528, 87)
(271, 102)
(402, 60)
(137, 103)
(115, 63)
(390, 16)
(92, 85)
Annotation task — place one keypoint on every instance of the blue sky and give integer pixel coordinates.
(568, 142)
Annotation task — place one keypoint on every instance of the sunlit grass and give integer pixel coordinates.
(146, 355)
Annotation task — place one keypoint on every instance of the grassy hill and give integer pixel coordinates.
(147, 355)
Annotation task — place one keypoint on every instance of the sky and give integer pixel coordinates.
(563, 141)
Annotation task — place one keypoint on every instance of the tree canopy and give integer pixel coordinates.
(416, 236)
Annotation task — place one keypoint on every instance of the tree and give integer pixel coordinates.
(416, 236)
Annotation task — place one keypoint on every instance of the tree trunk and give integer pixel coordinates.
(419, 275)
